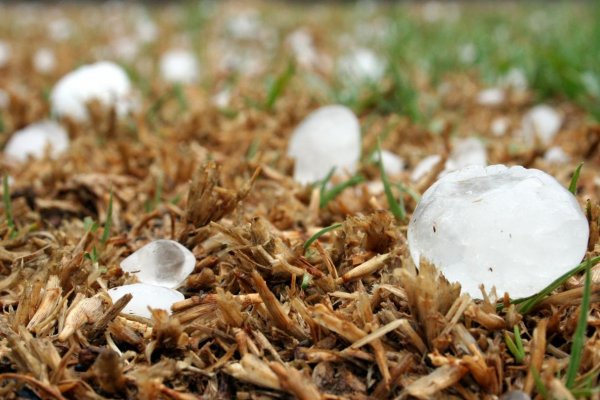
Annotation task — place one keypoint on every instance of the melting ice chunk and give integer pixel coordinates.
(162, 262)
(392, 164)
(465, 152)
(144, 296)
(424, 167)
(103, 81)
(33, 140)
(363, 65)
(179, 66)
(556, 155)
(541, 121)
(490, 97)
(329, 137)
(514, 228)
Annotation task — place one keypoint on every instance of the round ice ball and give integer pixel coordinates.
(543, 122)
(33, 140)
(144, 296)
(513, 228)
(161, 262)
(179, 66)
(103, 81)
(328, 138)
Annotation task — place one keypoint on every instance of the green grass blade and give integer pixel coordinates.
(575, 178)
(519, 342)
(277, 87)
(527, 304)
(539, 385)
(320, 233)
(396, 207)
(108, 223)
(579, 336)
(512, 347)
(323, 183)
(335, 191)
(7, 203)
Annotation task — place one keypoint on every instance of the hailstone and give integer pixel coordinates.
(363, 65)
(103, 81)
(179, 66)
(161, 262)
(33, 140)
(328, 138)
(144, 296)
(513, 228)
(392, 163)
(541, 121)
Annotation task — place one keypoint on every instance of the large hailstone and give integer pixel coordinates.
(144, 296)
(541, 121)
(34, 139)
(103, 81)
(514, 228)
(161, 262)
(179, 66)
(328, 138)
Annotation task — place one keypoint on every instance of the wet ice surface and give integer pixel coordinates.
(103, 81)
(161, 262)
(514, 228)
(328, 137)
(34, 139)
(144, 296)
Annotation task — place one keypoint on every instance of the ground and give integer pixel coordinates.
(300, 291)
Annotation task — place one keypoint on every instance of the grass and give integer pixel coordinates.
(396, 207)
(575, 178)
(330, 194)
(320, 233)
(579, 336)
(527, 304)
(108, 222)
(8, 205)
(539, 385)
(515, 346)
(278, 85)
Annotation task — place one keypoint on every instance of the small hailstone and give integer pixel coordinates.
(301, 43)
(490, 97)
(179, 66)
(144, 296)
(362, 64)
(60, 29)
(222, 99)
(328, 137)
(541, 121)
(556, 155)
(514, 228)
(515, 78)
(467, 53)
(103, 81)
(5, 53)
(424, 167)
(244, 25)
(392, 164)
(161, 262)
(44, 60)
(499, 126)
(465, 152)
(33, 140)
